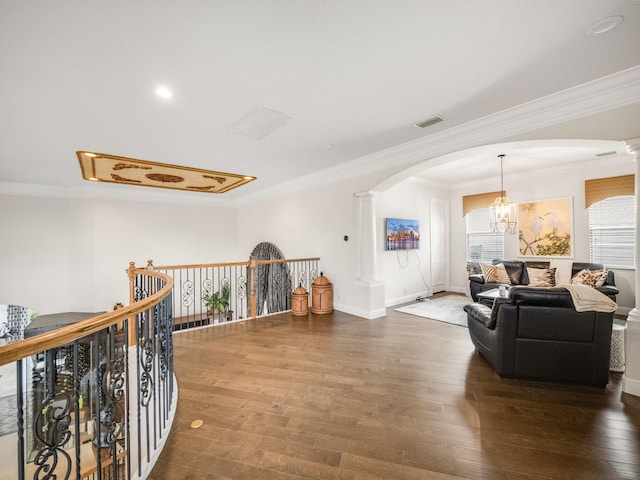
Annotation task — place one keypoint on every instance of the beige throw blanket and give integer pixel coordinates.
(588, 299)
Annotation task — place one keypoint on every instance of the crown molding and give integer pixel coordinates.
(105, 192)
(606, 93)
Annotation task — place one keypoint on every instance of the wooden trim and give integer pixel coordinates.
(64, 335)
(599, 189)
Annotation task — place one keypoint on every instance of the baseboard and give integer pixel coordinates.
(464, 290)
(630, 386)
(358, 312)
(392, 302)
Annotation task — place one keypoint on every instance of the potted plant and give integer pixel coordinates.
(218, 302)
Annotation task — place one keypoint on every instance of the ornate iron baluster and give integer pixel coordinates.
(51, 427)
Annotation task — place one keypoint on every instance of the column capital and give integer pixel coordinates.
(633, 147)
(366, 193)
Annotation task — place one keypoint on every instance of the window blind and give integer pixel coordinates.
(484, 246)
(612, 231)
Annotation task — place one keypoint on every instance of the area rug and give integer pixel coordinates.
(448, 309)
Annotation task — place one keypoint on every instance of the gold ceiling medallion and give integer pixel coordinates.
(101, 167)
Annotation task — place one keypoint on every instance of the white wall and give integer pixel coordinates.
(406, 274)
(312, 223)
(541, 186)
(62, 255)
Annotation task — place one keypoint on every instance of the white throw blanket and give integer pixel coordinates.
(588, 299)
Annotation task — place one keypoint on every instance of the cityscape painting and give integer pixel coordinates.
(402, 234)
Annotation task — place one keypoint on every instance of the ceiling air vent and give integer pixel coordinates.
(429, 122)
(260, 122)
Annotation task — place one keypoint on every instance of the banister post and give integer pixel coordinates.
(132, 299)
(252, 287)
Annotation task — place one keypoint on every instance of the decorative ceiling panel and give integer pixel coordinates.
(101, 167)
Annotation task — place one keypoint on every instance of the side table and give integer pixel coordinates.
(488, 297)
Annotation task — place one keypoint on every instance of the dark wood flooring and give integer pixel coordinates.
(400, 397)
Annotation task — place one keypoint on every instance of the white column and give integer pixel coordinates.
(367, 256)
(368, 294)
(631, 377)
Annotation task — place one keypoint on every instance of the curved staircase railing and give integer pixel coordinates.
(95, 399)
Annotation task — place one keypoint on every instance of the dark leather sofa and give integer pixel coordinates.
(517, 271)
(537, 333)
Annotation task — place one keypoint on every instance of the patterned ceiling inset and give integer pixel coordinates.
(102, 167)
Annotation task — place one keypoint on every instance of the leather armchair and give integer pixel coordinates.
(537, 333)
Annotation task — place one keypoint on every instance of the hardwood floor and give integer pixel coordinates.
(400, 397)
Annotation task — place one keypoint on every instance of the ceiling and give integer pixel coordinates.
(354, 76)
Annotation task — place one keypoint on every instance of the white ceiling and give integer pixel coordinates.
(355, 75)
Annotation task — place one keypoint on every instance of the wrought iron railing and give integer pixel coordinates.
(255, 288)
(95, 399)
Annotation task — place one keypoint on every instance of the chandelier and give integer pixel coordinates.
(502, 211)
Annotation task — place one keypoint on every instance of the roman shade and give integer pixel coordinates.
(481, 200)
(600, 188)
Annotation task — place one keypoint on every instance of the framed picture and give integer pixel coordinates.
(545, 228)
(402, 234)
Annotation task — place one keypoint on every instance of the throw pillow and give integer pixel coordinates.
(541, 277)
(473, 268)
(593, 278)
(495, 273)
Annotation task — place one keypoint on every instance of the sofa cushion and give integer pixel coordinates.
(593, 278)
(495, 273)
(541, 277)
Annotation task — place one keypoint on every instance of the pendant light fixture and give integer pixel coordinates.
(502, 211)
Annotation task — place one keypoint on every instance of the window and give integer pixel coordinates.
(483, 245)
(612, 232)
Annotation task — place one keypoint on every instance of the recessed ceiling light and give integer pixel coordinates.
(605, 25)
(163, 92)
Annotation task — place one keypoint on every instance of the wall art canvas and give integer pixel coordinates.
(545, 228)
(402, 234)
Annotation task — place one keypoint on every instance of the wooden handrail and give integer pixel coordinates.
(233, 264)
(65, 335)
(286, 260)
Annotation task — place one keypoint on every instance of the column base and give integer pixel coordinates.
(631, 377)
(368, 300)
